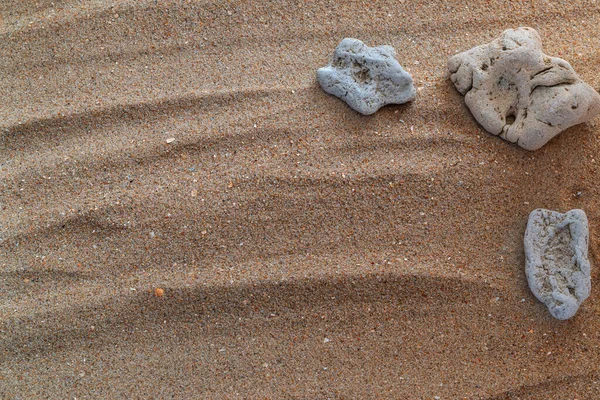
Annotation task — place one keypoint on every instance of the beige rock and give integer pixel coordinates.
(556, 260)
(517, 92)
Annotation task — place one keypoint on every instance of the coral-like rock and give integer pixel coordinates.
(556, 260)
(367, 78)
(516, 91)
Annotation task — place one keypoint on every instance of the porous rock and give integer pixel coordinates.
(516, 91)
(556, 260)
(367, 78)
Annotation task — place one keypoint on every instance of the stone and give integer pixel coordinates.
(517, 92)
(556, 260)
(367, 78)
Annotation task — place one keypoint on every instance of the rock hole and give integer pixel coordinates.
(510, 119)
(362, 75)
(574, 106)
(484, 67)
(559, 253)
(503, 83)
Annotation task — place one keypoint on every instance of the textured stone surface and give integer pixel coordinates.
(556, 260)
(516, 91)
(367, 78)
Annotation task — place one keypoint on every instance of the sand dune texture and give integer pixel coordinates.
(304, 250)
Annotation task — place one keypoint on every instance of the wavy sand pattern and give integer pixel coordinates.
(305, 251)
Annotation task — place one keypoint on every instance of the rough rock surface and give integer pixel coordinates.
(516, 91)
(367, 78)
(556, 260)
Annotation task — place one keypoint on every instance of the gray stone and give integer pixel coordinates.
(516, 91)
(367, 78)
(556, 260)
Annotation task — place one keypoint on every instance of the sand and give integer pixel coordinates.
(302, 250)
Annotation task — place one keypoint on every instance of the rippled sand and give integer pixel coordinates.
(303, 250)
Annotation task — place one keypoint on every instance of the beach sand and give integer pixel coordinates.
(301, 250)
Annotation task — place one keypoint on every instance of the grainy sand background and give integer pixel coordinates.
(304, 250)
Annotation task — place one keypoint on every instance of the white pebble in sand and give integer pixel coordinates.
(367, 78)
(556, 260)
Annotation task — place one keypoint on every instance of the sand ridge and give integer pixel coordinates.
(304, 250)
